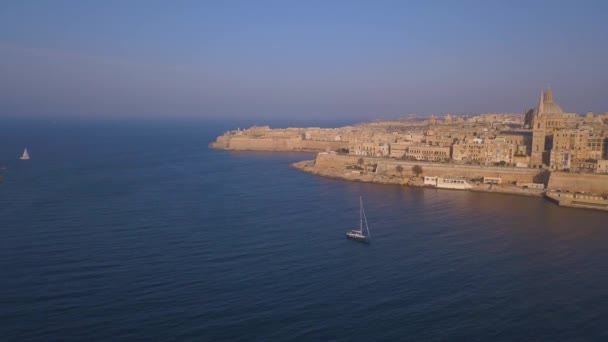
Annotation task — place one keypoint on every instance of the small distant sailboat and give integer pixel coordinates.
(25, 156)
(358, 234)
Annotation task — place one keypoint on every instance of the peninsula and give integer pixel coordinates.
(542, 152)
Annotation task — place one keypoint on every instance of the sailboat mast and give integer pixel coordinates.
(360, 214)
(369, 236)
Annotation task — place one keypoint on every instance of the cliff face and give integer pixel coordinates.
(244, 143)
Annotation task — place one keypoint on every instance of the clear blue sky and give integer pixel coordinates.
(299, 59)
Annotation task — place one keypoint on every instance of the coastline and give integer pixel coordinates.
(332, 162)
(308, 166)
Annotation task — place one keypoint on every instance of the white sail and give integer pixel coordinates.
(359, 234)
(25, 155)
(369, 236)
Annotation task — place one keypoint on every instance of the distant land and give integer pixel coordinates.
(542, 152)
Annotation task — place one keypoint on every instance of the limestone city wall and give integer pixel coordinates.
(316, 145)
(275, 144)
(593, 183)
(222, 141)
(244, 143)
(389, 167)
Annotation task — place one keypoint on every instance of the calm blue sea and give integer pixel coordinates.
(124, 230)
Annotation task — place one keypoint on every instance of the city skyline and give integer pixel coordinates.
(293, 60)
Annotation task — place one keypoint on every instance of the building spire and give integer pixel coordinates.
(549, 95)
(541, 104)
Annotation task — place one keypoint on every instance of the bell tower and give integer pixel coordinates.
(539, 131)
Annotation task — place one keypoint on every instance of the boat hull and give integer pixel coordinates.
(357, 238)
(578, 200)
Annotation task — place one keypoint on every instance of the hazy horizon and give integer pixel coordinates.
(299, 61)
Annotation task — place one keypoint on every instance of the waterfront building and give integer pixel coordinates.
(397, 150)
(428, 153)
(548, 121)
(602, 166)
(552, 138)
(447, 183)
(576, 150)
(484, 151)
(369, 149)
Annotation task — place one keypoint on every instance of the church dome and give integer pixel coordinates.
(547, 105)
(552, 107)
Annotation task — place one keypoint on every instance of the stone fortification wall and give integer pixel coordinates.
(507, 174)
(221, 142)
(389, 167)
(275, 144)
(328, 161)
(244, 143)
(593, 183)
(316, 145)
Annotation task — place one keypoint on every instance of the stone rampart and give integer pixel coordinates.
(316, 145)
(222, 142)
(388, 167)
(326, 160)
(244, 143)
(593, 183)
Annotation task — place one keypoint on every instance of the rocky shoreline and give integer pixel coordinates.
(308, 166)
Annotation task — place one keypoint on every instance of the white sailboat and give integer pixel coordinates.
(25, 156)
(358, 234)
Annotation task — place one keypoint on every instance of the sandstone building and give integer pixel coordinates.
(565, 141)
